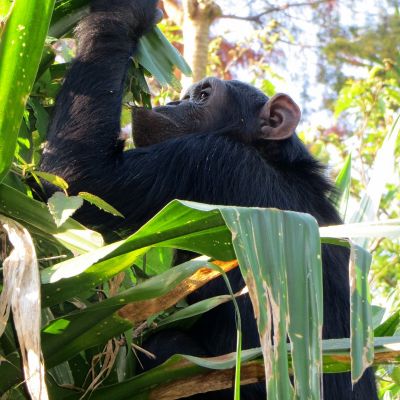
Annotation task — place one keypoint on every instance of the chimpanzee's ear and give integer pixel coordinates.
(279, 117)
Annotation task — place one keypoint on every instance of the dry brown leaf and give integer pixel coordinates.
(141, 310)
(106, 360)
(21, 294)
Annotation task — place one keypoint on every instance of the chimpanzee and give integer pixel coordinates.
(224, 143)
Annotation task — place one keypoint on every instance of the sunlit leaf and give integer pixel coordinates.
(99, 322)
(20, 51)
(389, 326)
(342, 184)
(100, 203)
(53, 179)
(362, 335)
(378, 229)
(178, 225)
(382, 169)
(155, 52)
(158, 56)
(36, 217)
(279, 256)
(62, 207)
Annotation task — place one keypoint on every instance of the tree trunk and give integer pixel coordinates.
(198, 15)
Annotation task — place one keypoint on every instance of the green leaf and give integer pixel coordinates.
(389, 326)
(62, 207)
(383, 167)
(5, 7)
(158, 57)
(362, 334)
(35, 216)
(155, 53)
(280, 260)
(378, 313)
(66, 15)
(342, 184)
(42, 117)
(172, 54)
(178, 225)
(389, 228)
(66, 336)
(53, 179)
(48, 57)
(177, 367)
(100, 203)
(268, 87)
(361, 318)
(347, 97)
(156, 260)
(64, 8)
(195, 309)
(20, 52)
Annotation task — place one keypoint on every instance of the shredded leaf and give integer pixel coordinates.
(21, 293)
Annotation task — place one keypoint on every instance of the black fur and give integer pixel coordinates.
(210, 154)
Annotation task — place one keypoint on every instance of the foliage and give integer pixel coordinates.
(99, 301)
(20, 50)
(365, 110)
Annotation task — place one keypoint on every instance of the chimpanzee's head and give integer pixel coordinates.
(213, 105)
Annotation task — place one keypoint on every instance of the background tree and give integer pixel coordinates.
(197, 17)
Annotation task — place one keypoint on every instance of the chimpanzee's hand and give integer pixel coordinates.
(137, 15)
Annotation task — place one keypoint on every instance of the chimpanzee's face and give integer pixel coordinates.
(213, 105)
(201, 109)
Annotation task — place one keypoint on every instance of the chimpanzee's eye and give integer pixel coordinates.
(205, 93)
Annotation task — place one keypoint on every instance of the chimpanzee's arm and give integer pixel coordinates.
(83, 137)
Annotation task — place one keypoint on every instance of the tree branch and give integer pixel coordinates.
(257, 18)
